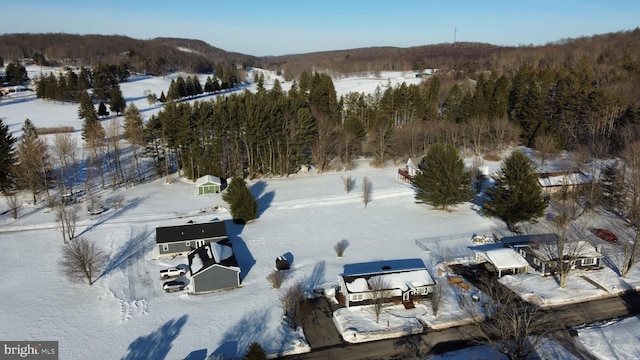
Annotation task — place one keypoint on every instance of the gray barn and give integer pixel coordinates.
(181, 239)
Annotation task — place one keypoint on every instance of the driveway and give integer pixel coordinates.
(319, 328)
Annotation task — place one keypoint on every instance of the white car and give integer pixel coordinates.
(174, 285)
(172, 272)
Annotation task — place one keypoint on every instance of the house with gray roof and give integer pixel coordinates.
(402, 278)
(181, 239)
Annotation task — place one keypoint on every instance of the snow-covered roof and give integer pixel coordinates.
(500, 257)
(402, 281)
(221, 252)
(383, 267)
(414, 162)
(208, 179)
(575, 249)
(576, 178)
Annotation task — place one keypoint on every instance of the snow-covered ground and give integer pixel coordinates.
(125, 314)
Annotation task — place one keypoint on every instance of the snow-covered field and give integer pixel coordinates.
(125, 314)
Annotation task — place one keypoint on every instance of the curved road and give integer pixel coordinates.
(432, 342)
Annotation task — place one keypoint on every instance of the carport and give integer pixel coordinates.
(501, 258)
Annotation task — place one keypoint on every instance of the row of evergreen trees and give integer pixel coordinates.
(68, 87)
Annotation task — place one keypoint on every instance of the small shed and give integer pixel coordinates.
(208, 184)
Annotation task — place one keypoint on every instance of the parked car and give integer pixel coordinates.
(174, 285)
(172, 272)
(605, 235)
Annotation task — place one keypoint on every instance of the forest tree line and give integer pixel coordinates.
(274, 132)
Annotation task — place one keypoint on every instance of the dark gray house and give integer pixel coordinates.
(541, 252)
(213, 267)
(181, 239)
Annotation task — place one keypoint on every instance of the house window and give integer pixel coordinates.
(165, 247)
(523, 253)
(588, 262)
(356, 297)
(536, 262)
(188, 243)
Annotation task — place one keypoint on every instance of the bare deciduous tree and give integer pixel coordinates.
(379, 294)
(366, 191)
(546, 147)
(564, 252)
(14, 203)
(436, 297)
(340, 247)
(66, 216)
(380, 140)
(325, 145)
(295, 305)
(348, 183)
(502, 133)
(65, 156)
(81, 260)
(117, 202)
(630, 253)
(507, 324)
(112, 134)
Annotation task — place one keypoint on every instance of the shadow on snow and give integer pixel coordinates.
(264, 199)
(157, 344)
(132, 250)
(240, 250)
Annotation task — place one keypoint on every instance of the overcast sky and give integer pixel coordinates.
(279, 27)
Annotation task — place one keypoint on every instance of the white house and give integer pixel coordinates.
(402, 278)
(412, 165)
(557, 182)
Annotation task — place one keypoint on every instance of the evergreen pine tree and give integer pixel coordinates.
(255, 352)
(517, 195)
(117, 103)
(612, 186)
(7, 157)
(443, 180)
(32, 154)
(91, 127)
(133, 125)
(102, 109)
(242, 205)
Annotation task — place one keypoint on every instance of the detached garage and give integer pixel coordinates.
(208, 184)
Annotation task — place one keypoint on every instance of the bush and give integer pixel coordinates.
(276, 278)
(54, 130)
(340, 247)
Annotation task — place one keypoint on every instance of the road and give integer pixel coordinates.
(432, 342)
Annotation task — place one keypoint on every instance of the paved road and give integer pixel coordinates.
(432, 342)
